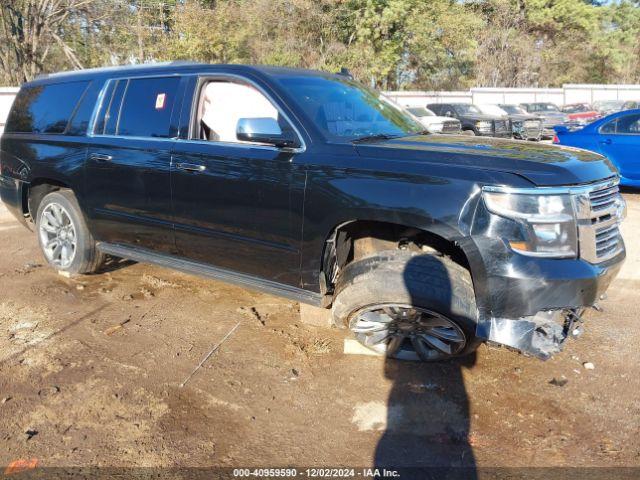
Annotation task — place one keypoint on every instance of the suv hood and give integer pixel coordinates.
(436, 119)
(480, 116)
(523, 116)
(541, 164)
(553, 115)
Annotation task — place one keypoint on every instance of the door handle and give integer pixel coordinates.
(608, 141)
(191, 167)
(100, 157)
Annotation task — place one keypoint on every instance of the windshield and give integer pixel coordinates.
(547, 107)
(492, 110)
(420, 112)
(576, 108)
(513, 109)
(463, 108)
(343, 109)
(609, 104)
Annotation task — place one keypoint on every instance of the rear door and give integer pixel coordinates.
(127, 174)
(619, 141)
(237, 205)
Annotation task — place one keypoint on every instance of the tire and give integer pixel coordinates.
(395, 283)
(469, 133)
(73, 237)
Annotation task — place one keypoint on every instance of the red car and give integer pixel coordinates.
(581, 113)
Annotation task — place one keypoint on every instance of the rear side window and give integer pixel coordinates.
(609, 127)
(629, 125)
(45, 108)
(147, 106)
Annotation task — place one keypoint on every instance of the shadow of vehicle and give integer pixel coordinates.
(427, 433)
(111, 264)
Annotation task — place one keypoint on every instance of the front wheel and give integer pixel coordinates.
(408, 305)
(65, 240)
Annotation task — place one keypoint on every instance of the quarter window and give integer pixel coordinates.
(609, 127)
(45, 108)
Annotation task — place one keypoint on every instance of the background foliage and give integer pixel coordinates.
(391, 44)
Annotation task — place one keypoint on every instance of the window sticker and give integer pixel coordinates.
(160, 101)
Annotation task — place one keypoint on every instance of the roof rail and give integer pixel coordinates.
(137, 66)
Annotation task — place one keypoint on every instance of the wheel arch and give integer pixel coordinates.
(355, 238)
(36, 190)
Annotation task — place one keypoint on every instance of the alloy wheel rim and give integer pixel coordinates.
(58, 235)
(406, 332)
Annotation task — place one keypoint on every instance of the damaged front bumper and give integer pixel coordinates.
(537, 317)
(542, 335)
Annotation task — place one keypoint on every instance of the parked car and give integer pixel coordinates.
(310, 186)
(617, 137)
(473, 121)
(581, 113)
(631, 105)
(607, 107)
(550, 114)
(523, 125)
(434, 123)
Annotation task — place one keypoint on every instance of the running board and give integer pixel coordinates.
(208, 271)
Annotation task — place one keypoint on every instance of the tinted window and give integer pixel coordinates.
(466, 109)
(629, 124)
(45, 108)
(82, 116)
(113, 108)
(609, 127)
(146, 109)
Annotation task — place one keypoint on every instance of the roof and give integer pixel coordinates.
(178, 66)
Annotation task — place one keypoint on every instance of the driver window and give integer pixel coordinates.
(223, 103)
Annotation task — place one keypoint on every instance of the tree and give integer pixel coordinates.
(29, 30)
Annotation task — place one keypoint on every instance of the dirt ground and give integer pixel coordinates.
(91, 371)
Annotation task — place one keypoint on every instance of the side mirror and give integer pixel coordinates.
(264, 130)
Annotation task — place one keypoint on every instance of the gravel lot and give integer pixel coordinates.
(91, 368)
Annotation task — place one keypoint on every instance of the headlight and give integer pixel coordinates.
(435, 127)
(483, 125)
(547, 220)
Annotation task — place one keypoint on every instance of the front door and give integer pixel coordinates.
(237, 204)
(127, 172)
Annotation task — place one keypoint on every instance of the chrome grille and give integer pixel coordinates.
(451, 127)
(600, 211)
(603, 199)
(500, 126)
(607, 240)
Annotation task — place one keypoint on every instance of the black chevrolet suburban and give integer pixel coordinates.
(308, 185)
(474, 122)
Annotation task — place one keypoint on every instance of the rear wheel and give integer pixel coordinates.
(63, 235)
(469, 133)
(408, 305)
